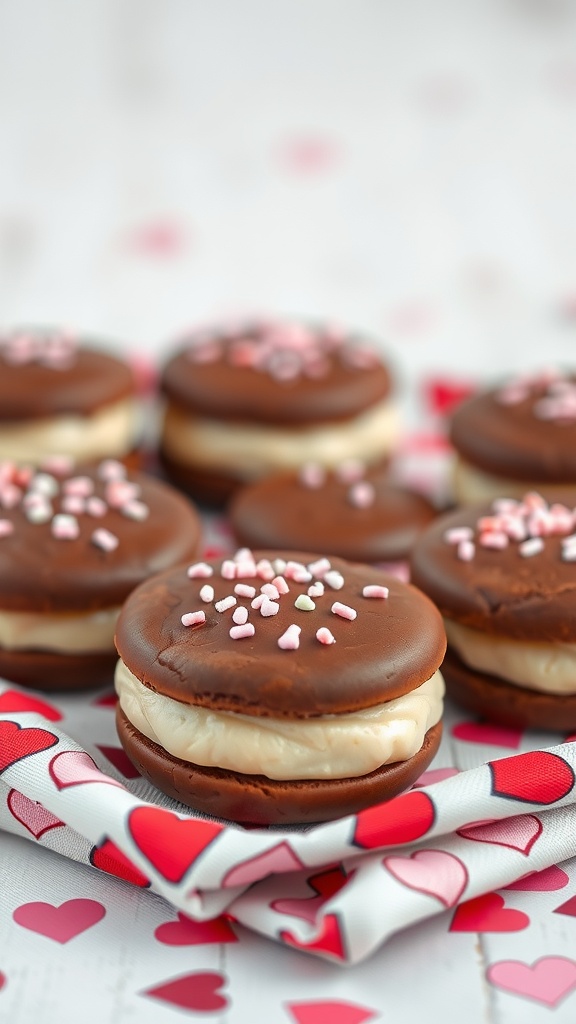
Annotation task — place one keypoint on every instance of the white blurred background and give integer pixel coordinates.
(405, 167)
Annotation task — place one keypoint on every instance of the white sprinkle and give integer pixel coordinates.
(270, 590)
(343, 610)
(40, 512)
(458, 533)
(290, 640)
(199, 570)
(193, 619)
(281, 586)
(334, 579)
(243, 555)
(136, 510)
(6, 527)
(375, 591)
(228, 570)
(96, 507)
(269, 607)
(304, 603)
(466, 550)
(120, 492)
(225, 603)
(279, 566)
(325, 636)
(320, 567)
(207, 593)
(244, 590)
(65, 527)
(258, 601)
(45, 483)
(362, 494)
(240, 615)
(239, 632)
(245, 570)
(104, 539)
(316, 589)
(531, 547)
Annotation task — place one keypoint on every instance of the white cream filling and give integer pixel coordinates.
(111, 431)
(547, 668)
(327, 747)
(65, 632)
(471, 485)
(249, 451)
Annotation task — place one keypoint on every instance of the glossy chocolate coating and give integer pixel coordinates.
(280, 511)
(222, 390)
(504, 702)
(55, 672)
(94, 380)
(42, 573)
(511, 441)
(499, 591)
(256, 800)
(392, 646)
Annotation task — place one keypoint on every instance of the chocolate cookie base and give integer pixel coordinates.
(53, 672)
(257, 800)
(505, 703)
(207, 487)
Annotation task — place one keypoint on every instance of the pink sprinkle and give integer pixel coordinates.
(239, 632)
(343, 610)
(316, 589)
(10, 495)
(246, 569)
(242, 554)
(79, 485)
(104, 539)
(270, 590)
(243, 590)
(65, 527)
(207, 593)
(228, 570)
(225, 603)
(362, 494)
(120, 492)
(6, 527)
(505, 505)
(359, 357)
(300, 575)
(74, 504)
(200, 570)
(293, 568)
(325, 636)
(457, 534)
(350, 471)
(334, 579)
(489, 523)
(290, 640)
(193, 618)
(533, 500)
(264, 569)
(111, 469)
(466, 550)
(60, 465)
(205, 352)
(512, 394)
(258, 601)
(96, 507)
(269, 607)
(136, 510)
(531, 547)
(375, 591)
(281, 586)
(240, 615)
(320, 567)
(493, 539)
(312, 475)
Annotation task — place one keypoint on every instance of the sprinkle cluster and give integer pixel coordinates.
(556, 391)
(285, 351)
(524, 522)
(56, 349)
(281, 579)
(361, 493)
(35, 492)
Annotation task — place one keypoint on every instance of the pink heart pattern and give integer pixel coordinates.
(275, 861)
(549, 980)
(76, 768)
(432, 872)
(31, 814)
(520, 833)
(63, 923)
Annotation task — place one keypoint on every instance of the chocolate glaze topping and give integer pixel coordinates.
(391, 647)
(287, 387)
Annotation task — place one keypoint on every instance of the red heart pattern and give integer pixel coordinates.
(402, 820)
(108, 857)
(486, 733)
(198, 992)
(537, 777)
(568, 908)
(171, 844)
(18, 742)
(330, 940)
(333, 1011)
(186, 932)
(13, 700)
(488, 913)
(31, 814)
(548, 880)
(61, 923)
(325, 884)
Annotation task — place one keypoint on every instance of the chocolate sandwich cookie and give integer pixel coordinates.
(61, 397)
(350, 511)
(73, 544)
(504, 579)
(268, 689)
(245, 402)
(515, 438)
